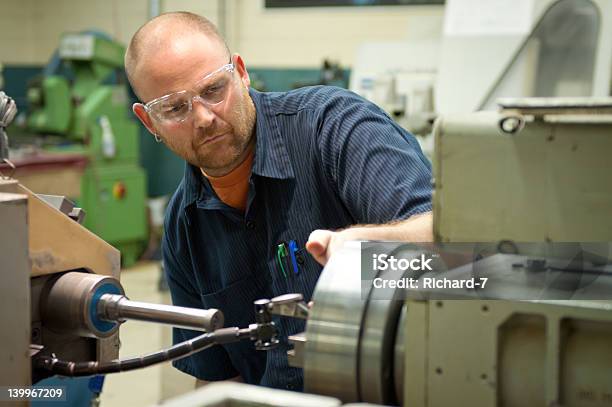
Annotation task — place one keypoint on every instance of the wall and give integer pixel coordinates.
(297, 37)
(32, 28)
(17, 44)
(302, 37)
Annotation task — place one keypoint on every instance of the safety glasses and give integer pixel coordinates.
(176, 107)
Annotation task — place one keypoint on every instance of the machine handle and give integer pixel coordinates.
(113, 307)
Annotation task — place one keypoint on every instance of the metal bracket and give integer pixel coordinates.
(289, 305)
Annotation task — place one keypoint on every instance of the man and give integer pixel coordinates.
(264, 170)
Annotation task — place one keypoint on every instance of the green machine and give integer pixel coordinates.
(92, 117)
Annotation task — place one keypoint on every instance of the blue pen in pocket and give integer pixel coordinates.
(292, 250)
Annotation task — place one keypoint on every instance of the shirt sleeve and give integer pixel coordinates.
(213, 363)
(377, 167)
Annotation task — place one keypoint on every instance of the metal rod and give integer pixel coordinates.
(113, 307)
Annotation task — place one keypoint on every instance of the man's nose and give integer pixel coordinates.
(203, 116)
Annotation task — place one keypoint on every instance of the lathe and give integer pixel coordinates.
(530, 186)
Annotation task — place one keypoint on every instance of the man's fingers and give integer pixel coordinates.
(318, 241)
(317, 244)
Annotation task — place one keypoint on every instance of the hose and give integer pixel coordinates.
(178, 351)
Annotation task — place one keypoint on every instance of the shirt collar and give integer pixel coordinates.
(271, 157)
(192, 184)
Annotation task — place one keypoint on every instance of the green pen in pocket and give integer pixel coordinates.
(281, 253)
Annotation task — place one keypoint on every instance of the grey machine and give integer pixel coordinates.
(538, 171)
(530, 186)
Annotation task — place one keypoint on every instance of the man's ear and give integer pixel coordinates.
(241, 69)
(143, 116)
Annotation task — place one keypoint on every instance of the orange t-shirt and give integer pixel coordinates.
(233, 188)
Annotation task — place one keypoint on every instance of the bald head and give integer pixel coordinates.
(162, 33)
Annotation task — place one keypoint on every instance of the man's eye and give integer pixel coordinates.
(174, 108)
(213, 89)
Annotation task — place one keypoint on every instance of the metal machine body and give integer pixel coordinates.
(55, 244)
(63, 304)
(431, 351)
(88, 116)
(537, 170)
(349, 341)
(14, 291)
(510, 353)
(422, 349)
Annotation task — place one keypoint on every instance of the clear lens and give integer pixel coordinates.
(174, 107)
(211, 90)
(217, 91)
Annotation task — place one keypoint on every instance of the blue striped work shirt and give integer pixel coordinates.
(325, 158)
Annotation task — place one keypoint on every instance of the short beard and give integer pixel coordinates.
(243, 131)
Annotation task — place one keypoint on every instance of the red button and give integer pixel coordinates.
(119, 190)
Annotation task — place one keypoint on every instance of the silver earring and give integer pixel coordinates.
(159, 140)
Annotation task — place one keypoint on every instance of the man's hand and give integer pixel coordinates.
(323, 243)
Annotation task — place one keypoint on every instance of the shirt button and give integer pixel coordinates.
(250, 224)
(290, 386)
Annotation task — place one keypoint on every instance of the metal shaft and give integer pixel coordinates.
(113, 307)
